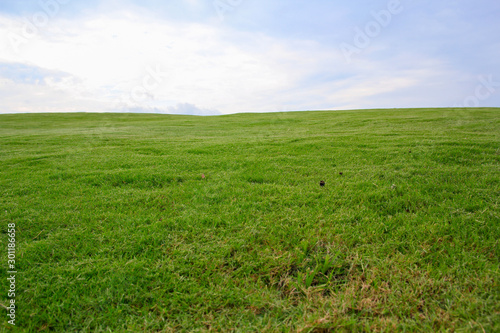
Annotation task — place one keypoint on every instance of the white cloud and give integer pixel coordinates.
(136, 62)
(22, 97)
(181, 108)
(109, 56)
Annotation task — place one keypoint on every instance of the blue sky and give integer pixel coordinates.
(226, 56)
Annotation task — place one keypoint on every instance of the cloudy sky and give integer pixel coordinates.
(228, 56)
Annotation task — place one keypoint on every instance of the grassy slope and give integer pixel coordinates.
(117, 230)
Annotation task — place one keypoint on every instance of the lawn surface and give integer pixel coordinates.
(117, 230)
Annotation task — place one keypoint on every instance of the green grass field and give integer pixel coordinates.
(117, 231)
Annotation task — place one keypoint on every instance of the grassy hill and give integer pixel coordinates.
(117, 229)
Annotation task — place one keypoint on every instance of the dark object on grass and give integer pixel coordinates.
(341, 173)
(409, 151)
(322, 183)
